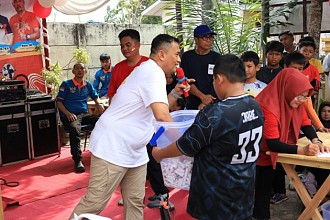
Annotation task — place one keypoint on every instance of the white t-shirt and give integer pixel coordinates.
(326, 63)
(326, 68)
(121, 134)
(254, 88)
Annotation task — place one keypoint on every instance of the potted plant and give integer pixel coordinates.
(53, 77)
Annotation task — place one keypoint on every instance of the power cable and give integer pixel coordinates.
(9, 184)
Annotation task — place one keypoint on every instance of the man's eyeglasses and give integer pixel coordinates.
(206, 37)
(301, 98)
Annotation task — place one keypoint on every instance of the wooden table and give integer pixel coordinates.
(92, 107)
(289, 161)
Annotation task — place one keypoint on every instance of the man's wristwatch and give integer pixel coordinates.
(318, 141)
(174, 94)
(28, 37)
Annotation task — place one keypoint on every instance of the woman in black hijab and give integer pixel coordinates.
(324, 114)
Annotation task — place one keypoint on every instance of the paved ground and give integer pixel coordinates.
(287, 210)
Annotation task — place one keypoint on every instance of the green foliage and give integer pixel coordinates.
(39, 47)
(81, 55)
(151, 20)
(237, 23)
(129, 12)
(276, 16)
(53, 77)
(235, 33)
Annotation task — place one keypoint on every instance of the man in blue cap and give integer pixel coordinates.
(198, 64)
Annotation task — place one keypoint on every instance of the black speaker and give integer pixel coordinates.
(44, 133)
(14, 138)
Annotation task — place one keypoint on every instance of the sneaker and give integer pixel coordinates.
(153, 197)
(278, 198)
(291, 187)
(121, 202)
(171, 206)
(157, 204)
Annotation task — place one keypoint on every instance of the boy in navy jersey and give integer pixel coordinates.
(224, 141)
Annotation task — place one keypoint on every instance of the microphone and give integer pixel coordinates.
(181, 79)
(133, 49)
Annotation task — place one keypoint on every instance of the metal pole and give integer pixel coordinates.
(264, 28)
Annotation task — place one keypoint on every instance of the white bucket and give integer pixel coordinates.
(176, 170)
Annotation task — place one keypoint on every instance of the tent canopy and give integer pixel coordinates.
(78, 7)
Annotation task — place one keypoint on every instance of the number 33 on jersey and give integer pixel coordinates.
(247, 139)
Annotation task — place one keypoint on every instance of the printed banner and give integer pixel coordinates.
(20, 36)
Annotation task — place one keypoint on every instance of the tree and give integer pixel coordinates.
(235, 32)
(129, 12)
(315, 21)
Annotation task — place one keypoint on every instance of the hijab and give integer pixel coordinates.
(276, 98)
(326, 124)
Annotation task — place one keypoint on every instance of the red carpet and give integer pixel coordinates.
(49, 189)
(43, 178)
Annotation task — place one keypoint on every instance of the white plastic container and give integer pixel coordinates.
(176, 170)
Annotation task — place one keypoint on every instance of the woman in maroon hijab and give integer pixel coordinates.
(281, 102)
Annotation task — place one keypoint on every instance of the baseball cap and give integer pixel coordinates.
(203, 30)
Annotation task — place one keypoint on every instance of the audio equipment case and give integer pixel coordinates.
(12, 90)
(43, 127)
(14, 133)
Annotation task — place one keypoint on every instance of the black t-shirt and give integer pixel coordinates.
(171, 86)
(225, 141)
(266, 75)
(282, 62)
(200, 68)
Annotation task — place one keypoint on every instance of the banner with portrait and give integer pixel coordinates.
(20, 40)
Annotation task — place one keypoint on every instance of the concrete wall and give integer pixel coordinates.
(96, 38)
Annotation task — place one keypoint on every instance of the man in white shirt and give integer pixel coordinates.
(118, 141)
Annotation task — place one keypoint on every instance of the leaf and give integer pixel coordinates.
(81, 55)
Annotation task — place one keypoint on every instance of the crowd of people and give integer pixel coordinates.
(246, 111)
(248, 114)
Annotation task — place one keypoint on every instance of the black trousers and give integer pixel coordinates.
(154, 174)
(262, 194)
(320, 175)
(74, 128)
(279, 180)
